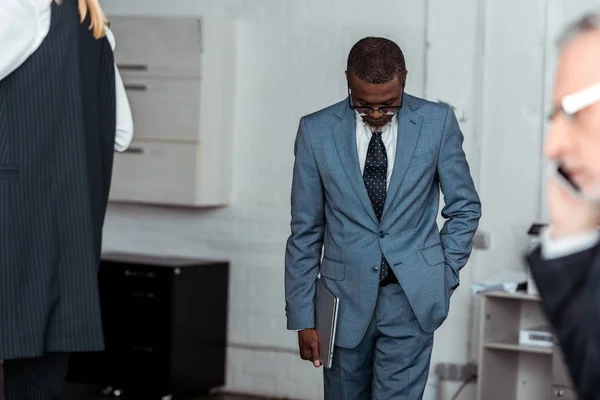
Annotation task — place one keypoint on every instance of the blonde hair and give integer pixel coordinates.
(97, 17)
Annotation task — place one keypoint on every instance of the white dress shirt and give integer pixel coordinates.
(389, 136)
(124, 132)
(556, 248)
(24, 25)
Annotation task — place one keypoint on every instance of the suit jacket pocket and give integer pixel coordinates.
(8, 171)
(333, 270)
(419, 159)
(434, 255)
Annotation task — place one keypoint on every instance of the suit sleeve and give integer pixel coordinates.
(303, 251)
(107, 121)
(570, 289)
(462, 208)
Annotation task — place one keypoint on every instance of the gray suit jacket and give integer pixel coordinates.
(335, 230)
(57, 130)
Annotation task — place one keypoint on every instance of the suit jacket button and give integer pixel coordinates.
(381, 234)
(375, 268)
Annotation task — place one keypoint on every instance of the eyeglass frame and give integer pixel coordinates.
(573, 103)
(354, 108)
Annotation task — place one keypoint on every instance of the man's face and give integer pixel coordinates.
(376, 95)
(576, 142)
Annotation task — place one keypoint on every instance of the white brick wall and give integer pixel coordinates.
(290, 61)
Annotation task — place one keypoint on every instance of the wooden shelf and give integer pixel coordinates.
(505, 346)
(507, 369)
(515, 296)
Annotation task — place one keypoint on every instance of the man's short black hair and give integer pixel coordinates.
(376, 60)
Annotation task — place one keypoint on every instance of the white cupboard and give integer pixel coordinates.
(179, 78)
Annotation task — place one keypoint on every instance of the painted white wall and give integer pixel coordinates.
(486, 58)
(453, 76)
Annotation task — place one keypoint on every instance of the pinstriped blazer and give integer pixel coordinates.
(57, 129)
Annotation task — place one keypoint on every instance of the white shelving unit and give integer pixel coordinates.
(508, 370)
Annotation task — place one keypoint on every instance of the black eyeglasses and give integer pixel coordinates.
(363, 111)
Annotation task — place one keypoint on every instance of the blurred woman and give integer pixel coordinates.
(63, 112)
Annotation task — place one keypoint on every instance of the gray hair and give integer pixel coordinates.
(588, 23)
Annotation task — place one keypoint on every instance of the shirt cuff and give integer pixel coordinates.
(556, 248)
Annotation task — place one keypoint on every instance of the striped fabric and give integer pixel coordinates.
(2, 381)
(39, 378)
(57, 127)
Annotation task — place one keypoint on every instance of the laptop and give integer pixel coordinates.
(326, 312)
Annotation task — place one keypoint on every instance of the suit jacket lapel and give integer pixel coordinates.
(409, 130)
(344, 135)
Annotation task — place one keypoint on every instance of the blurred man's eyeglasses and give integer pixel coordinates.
(573, 103)
(363, 111)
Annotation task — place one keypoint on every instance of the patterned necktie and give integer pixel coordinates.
(375, 178)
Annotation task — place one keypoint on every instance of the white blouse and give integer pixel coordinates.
(24, 25)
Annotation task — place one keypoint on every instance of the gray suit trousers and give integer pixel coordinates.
(391, 361)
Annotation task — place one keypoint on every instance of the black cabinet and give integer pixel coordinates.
(165, 326)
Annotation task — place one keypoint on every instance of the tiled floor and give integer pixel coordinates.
(79, 392)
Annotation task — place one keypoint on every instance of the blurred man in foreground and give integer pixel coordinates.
(567, 265)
